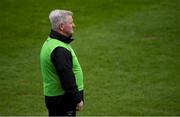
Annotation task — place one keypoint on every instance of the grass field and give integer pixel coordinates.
(129, 51)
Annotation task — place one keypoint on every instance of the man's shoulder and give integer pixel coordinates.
(60, 49)
(60, 52)
(57, 43)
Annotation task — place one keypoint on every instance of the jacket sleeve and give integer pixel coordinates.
(62, 61)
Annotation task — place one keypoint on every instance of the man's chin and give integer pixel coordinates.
(71, 33)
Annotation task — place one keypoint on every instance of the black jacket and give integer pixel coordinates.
(62, 61)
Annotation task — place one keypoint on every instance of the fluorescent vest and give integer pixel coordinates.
(51, 82)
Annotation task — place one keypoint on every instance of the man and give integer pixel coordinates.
(61, 71)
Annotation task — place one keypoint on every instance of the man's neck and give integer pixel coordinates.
(64, 34)
(61, 37)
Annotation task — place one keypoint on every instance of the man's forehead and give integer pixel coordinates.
(69, 18)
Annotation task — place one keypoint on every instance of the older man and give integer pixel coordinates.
(61, 71)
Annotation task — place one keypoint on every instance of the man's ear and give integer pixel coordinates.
(61, 26)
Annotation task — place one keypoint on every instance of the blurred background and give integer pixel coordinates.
(129, 51)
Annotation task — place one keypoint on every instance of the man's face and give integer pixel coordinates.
(67, 28)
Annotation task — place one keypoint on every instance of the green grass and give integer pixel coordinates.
(128, 49)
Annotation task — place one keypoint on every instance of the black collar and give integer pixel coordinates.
(58, 36)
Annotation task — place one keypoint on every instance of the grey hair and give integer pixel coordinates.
(57, 17)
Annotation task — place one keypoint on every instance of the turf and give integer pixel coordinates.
(128, 49)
